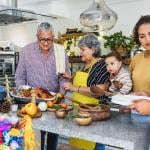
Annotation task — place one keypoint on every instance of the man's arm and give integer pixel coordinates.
(20, 75)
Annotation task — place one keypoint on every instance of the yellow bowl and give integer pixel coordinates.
(61, 113)
(83, 119)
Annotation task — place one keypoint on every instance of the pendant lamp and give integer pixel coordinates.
(98, 16)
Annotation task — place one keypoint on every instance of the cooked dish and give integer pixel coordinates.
(40, 93)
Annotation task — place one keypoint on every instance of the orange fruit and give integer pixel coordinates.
(63, 105)
(50, 104)
(31, 109)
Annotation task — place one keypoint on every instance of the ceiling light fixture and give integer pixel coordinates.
(12, 14)
(98, 17)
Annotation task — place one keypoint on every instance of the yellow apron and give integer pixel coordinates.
(80, 79)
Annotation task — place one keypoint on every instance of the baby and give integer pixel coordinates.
(120, 79)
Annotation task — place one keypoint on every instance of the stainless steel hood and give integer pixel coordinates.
(10, 15)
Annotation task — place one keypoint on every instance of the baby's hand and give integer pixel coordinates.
(97, 91)
(117, 84)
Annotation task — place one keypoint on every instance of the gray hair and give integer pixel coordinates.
(91, 41)
(45, 26)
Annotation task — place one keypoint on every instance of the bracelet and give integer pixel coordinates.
(79, 89)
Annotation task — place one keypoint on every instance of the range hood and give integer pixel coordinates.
(10, 15)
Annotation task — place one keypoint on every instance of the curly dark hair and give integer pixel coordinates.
(143, 20)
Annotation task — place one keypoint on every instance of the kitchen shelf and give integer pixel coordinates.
(75, 59)
(63, 37)
(70, 35)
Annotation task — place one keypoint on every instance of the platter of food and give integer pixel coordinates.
(24, 94)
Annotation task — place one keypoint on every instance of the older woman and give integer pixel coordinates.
(93, 73)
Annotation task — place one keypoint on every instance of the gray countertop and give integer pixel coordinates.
(118, 131)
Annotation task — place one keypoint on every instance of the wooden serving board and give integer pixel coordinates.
(39, 114)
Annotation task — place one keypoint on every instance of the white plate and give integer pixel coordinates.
(126, 99)
(25, 87)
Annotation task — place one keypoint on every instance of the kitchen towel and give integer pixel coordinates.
(60, 58)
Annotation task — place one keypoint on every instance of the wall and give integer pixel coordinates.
(20, 34)
(128, 13)
(1, 34)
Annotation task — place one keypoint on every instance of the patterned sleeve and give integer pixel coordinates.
(127, 83)
(98, 74)
(20, 75)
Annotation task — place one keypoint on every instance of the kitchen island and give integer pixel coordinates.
(118, 131)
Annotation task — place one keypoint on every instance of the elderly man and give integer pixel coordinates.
(39, 66)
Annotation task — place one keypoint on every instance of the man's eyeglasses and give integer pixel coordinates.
(44, 40)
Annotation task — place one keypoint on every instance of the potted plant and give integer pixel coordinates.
(119, 42)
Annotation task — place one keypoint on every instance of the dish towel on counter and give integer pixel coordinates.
(59, 52)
